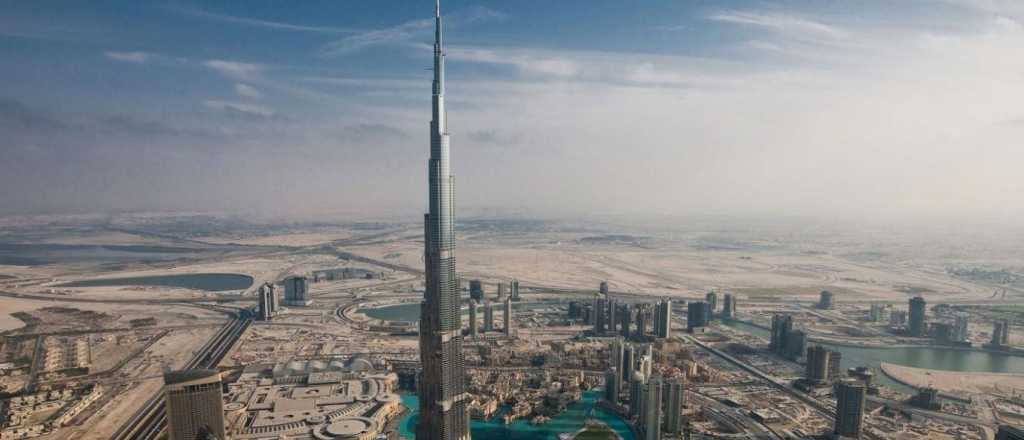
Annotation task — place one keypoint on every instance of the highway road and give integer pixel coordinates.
(151, 420)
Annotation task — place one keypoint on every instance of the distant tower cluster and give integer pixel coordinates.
(655, 402)
(608, 316)
(507, 314)
(296, 291)
(194, 404)
(917, 326)
(266, 306)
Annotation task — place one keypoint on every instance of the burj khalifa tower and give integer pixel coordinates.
(442, 395)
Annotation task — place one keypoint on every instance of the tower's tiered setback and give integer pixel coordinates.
(442, 396)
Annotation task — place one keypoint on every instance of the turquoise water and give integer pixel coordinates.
(411, 311)
(212, 282)
(569, 421)
(936, 358)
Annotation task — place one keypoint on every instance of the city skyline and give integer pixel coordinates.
(230, 196)
(738, 108)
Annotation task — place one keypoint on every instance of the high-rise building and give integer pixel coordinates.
(796, 344)
(898, 318)
(611, 385)
(917, 326)
(646, 363)
(474, 330)
(476, 290)
(849, 409)
(712, 299)
(636, 393)
(835, 365)
(817, 365)
(616, 354)
(826, 300)
(697, 315)
(488, 316)
(960, 327)
(194, 405)
(927, 398)
(628, 360)
(501, 291)
(575, 310)
(296, 291)
(513, 287)
(603, 288)
(1000, 334)
(877, 310)
(782, 325)
(626, 314)
(613, 309)
(664, 319)
(266, 307)
(443, 400)
(1007, 432)
(651, 421)
(508, 316)
(642, 314)
(729, 306)
(674, 400)
(601, 309)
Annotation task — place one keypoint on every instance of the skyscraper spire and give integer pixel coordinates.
(443, 399)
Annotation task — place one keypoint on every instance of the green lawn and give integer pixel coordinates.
(596, 433)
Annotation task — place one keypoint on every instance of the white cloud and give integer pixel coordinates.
(404, 32)
(252, 109)
(530, 62)
(395, 34)
(233, 69)
(266, 24)
(247, 91)
(780, 23)
(128, 57)
(671, 27)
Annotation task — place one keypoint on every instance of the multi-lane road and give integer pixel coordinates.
(151, 420)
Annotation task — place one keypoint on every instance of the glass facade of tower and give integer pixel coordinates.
(442, 396)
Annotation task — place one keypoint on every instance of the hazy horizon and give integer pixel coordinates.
(867, 111)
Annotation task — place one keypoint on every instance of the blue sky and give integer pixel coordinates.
(874, 108)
